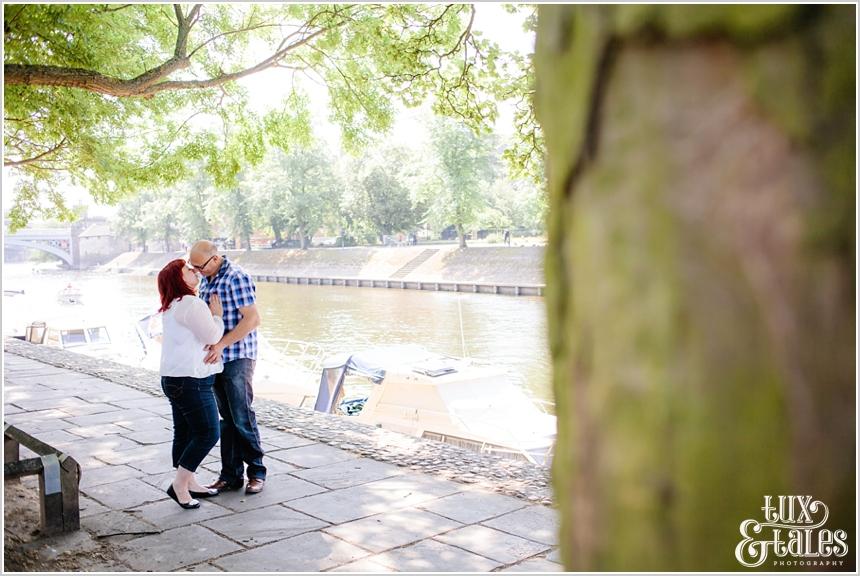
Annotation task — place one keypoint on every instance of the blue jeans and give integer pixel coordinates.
(195, 418)
(240, 438)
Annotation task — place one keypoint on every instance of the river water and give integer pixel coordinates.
(504, 330)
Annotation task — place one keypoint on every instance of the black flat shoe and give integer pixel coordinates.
(190, 505)
(207, 494)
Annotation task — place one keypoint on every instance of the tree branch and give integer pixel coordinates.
(117, 8)
(146, 84)
(35, 158)
(231, 32)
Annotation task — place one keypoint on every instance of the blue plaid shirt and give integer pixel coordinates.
(236, 290)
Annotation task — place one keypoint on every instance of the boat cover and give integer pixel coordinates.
(369, 363)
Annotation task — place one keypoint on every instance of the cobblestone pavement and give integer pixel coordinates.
(340, 496)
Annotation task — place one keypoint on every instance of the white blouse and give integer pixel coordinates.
(188, 326)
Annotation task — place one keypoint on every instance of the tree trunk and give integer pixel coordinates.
(700, 280)
(303, 241)
(461, 233)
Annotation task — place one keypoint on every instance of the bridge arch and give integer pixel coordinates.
(58, 252)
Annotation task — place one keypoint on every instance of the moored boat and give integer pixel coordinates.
(442, 398)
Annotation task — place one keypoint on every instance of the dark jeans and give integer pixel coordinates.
(195, 418)
(240, 438)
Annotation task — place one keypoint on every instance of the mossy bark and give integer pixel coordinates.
(700, 276)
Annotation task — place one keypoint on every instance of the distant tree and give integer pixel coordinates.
(269, 194)
(386, 203)
(130, 220)
(194, 197)
(514, 204)
(466, 163)
(235, 209)
(161, 216)
(313, 190)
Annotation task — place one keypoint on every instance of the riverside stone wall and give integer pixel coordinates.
(515, 265)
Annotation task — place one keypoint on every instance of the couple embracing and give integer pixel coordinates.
(209, 351)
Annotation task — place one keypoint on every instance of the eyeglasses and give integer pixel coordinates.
(200, 268)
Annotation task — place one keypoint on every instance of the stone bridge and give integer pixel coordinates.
(61, 242)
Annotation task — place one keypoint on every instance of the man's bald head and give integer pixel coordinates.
(203, 248)
(204, 257)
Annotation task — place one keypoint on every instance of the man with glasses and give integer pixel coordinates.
(240, 437)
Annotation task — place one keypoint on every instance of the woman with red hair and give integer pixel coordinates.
(188, 328)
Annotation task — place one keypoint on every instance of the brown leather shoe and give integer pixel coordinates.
(223, 486)
(255, 486)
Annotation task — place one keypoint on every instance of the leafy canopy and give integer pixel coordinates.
(118, 98)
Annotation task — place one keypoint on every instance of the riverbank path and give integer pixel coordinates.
(323, 508)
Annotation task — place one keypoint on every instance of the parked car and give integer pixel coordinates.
(285, 243)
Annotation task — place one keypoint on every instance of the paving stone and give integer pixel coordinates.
(535, 565)
(150, 422)
(555, 556)
(151, 436)
(106, 394)
(349, 473)
(37, 393)
(312, 456)
(117, 522)
(87, 409)
(67, 404)
(283, 439)
(135, 455)
(432, 556)
(264, 525)
(311, 552)
(162, 479)
(89, 507)
(61, 381)
(86, 462)
(106, 475)
(96, 431)
(25, 453)
(12, 409)
(36, 426)
(538, 523)
(166, 514)
(157, 465)
(100, 446)
(41, 415)
(57, 438)
(363, 565)
(175, 549)
(338, 506)
(124, 494)
(279, 488)
(273, 467)
(392, 529)
(204, 567)
(119, 416)
(157, 404)
(473, 506)
(501, 546)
